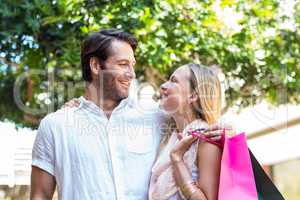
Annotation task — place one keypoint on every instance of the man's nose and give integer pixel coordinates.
(130, 73)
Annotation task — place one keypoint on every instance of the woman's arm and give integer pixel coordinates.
(208, 161)
(209, 165)
(182, 175)
(184, 179)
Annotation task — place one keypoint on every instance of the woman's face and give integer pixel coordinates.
(176, 91)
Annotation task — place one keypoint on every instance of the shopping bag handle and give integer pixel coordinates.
(199, 133)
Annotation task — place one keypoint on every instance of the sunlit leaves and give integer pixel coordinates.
(255, 43)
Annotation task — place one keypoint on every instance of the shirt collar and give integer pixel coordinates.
(92, 107)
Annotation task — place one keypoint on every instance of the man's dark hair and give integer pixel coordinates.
(98, 45)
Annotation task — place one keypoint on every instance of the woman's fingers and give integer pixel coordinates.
(72, 103)
(190, 139)
(186, 142)
(216, 138)
(219, 126)
(214, 133)
(75, 102)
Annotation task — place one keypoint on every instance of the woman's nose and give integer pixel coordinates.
(163, 86)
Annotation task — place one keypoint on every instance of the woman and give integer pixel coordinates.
(185, 168)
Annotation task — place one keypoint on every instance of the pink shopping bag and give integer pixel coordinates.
(236, 177)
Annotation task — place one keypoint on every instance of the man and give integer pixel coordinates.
(105, 148)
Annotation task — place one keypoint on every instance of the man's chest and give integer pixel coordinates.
(94, 141)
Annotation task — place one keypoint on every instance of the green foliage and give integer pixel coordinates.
(259, 55)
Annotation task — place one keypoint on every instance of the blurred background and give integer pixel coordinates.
(253, 45)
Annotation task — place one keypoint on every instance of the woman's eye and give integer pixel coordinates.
(173, 80)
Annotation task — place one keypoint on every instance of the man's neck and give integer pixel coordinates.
(96, 95)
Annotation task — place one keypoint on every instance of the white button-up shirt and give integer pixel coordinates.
(93, 157)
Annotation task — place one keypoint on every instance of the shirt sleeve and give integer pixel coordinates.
(43, 148)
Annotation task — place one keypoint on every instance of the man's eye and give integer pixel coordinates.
(123, 64)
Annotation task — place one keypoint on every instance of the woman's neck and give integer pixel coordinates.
(182, 120)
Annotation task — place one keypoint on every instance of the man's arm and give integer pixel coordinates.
(42, 184)
(43, 161)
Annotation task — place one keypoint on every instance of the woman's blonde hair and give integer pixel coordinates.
(207, 86)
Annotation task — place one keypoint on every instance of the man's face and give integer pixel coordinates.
(118, 71)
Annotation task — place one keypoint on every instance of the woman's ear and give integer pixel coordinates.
(193, 98)
(95, 66)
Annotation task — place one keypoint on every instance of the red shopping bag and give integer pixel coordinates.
(237, 180)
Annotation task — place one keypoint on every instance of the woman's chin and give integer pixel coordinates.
(166, 109)
(161, 106)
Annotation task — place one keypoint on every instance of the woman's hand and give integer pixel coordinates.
(72, 103)
(181, 147)
(215, 131)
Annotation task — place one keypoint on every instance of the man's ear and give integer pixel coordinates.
(95, 66)
(193, 97)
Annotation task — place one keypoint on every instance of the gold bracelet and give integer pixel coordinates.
(188, 189)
